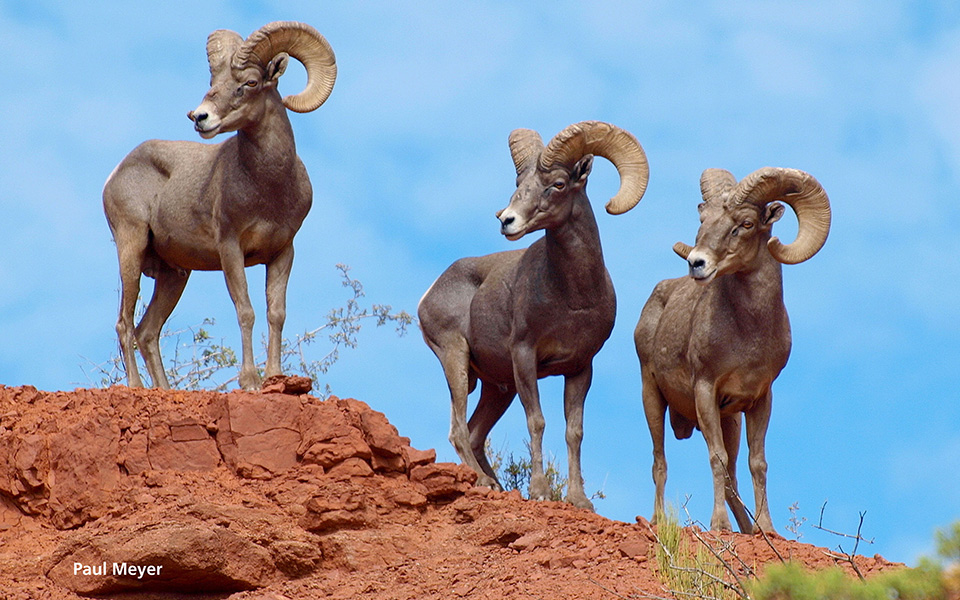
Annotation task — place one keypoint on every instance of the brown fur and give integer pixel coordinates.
(176, 207)
(711, 345)
(511, 318)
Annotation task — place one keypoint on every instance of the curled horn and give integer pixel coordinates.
(609, 141)
(805, 196)
(683, 250)
(302, 42)
(525, 146)
(714, 184)
(221, 45)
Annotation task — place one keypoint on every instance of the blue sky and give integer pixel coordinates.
(409, 163)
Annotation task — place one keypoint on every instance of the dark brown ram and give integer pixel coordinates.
(513, 317)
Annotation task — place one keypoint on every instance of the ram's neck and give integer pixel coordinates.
(575, 257)
(267, 149)
(755, 294)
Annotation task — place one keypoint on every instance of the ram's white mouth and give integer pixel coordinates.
(703, 279)
(207, 133)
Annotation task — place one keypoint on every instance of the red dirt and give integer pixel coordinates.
(273, 496)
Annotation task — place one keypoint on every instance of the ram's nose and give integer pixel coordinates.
(697, 267)
(509, 225)
(507, 218)
(702, 268)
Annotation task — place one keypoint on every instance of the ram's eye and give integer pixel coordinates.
(559, 185)
(252, 83)
(747, 225)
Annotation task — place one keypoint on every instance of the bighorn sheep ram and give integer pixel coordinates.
(176, 207)
(514, 317)
(711, 344)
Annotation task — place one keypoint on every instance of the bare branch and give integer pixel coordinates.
(739, 589)
(199, 360)
(756, 524)
(857, 537)
(848, 557)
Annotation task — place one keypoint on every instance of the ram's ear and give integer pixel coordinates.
(772, 213)
(578, 175)
(276, 67)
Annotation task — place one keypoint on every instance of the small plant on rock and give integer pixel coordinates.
(199, 359)
(514, 473)
(688, 565)
(796, 521)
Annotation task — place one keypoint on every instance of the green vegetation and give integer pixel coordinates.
(790, 581)
(514, 473)
(689, 568)
(692, 564)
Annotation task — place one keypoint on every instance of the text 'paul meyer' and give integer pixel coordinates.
(119, 569)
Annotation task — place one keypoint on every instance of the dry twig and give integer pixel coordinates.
(848, 557)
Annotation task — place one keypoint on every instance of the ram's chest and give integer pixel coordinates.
(568, 345)
(739, 390)
(264, 240)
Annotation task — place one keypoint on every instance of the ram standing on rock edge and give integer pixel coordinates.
(711, 344)
(511, 318)
(177, 207)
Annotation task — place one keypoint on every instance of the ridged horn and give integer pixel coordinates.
(221, 45)
(683, 250)
(525, 146)
(302, 42)
(805, 196)
(611, 142)
(714, 183)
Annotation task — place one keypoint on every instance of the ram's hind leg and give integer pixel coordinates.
(166, 293)
(655, 408)
(131, 247)
(731, 427)
(454, 355)
(494, 401)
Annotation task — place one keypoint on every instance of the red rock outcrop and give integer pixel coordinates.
(117, 466)
(273, 495)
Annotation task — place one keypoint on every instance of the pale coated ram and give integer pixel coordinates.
(177, 207)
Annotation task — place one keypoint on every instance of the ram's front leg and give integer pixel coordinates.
(757, 420)
(708, 416)
(231, 261)
(278, 274)
(574, 395)
(525, 376)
